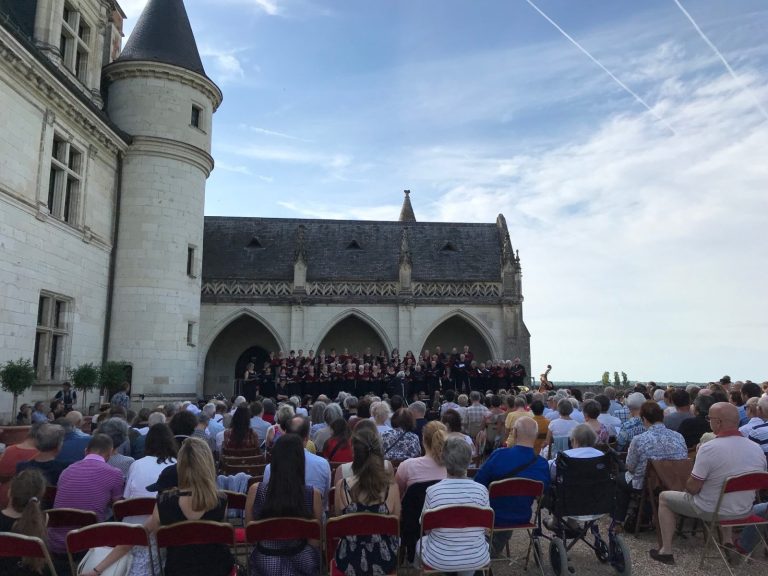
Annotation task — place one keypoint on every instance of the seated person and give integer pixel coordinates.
(48, 440)
(518, 461)
(401, 442)
(24, 515)
(455, 550)
(428, 467)
(583, 440)
(728, 454)
(656, 443)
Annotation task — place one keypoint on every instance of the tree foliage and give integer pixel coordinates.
(112, 375)
(16, 376)
(606, 378)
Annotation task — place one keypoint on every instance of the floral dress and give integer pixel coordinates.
(400, 445)
(374, 555)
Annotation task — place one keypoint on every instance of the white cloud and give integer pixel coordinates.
(227, 64)
(234, 168)
(266, 132)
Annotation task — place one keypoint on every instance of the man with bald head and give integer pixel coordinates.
(518, 461)
(728, 454)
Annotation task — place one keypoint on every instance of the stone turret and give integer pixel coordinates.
(158, 92)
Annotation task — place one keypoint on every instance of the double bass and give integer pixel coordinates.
(544, 384)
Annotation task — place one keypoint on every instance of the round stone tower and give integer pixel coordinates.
(158, 93)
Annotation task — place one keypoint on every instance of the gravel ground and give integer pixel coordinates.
(584, 562)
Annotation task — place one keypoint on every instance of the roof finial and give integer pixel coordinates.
(406, 212)
(301, 248)
(405, 249)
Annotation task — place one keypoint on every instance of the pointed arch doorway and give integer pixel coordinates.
(245, 339)
(352, 333)
(457, 332)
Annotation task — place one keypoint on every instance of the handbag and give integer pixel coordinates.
(95, 555)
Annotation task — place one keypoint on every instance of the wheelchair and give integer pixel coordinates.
(582, 493)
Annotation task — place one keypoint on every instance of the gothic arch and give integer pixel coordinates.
(356, 314)
(225, 322)
(239, 334)
(481, 329)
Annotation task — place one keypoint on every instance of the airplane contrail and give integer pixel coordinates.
(719, 54)
(586, 52)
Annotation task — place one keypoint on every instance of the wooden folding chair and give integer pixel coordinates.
(242, 460)
(456, 517)
(71, 518)
(241, 453)
(357, 524)
(18, 545)
(106, 534)
(749, 482)
(661, 475)
(250, 469)
(133, 507)
(521, 487)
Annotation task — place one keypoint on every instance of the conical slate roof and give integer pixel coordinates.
(406, 212)
(163, 34)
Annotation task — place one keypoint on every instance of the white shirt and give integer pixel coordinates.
(747, 428)
(586, 452)
(562, 427)
(141, 474)
(611, 422)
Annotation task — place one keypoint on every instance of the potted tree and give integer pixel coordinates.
(84, 378)
(111, 377)
(16, 377)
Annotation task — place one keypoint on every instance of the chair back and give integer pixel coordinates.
(19, 545)
(283, 529)
(516, 487)
(457, 517)
(744, 482)
(242, 460)
(559, 444)
(71, 518)
(235, 500)
(240, 452)
(410, 517)
(133, 507)
(195, 532)
(584, 486)
(668, 474)
(358, 524)
(249, 469)
(109, 534)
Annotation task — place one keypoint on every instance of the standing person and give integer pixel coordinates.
(122, 397)
(285, 495)
(371, 488)
(518, 374)
(24, 515)
(67, 396)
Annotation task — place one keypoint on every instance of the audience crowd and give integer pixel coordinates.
(363, 449)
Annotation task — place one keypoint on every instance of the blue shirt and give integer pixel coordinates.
(743, 415)
(514, 509)
(73, 448)
(631, 428)
(317, 473)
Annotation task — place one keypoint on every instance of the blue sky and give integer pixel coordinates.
(642, 233)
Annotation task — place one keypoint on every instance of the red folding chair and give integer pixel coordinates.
(283, 529)
(17, 545)
(106, 534)
(196, 533)
(71, 518)
(133, 507)
(521, 487)
(456, 517)
(331, 506)
(357, 524)
(749, 482)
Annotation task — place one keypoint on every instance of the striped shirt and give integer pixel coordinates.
(89, 484)
(759, 435)
(455, 549)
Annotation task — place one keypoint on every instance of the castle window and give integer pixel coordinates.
(191, 262)
(51, 336)
(75, 43)
(196, 119)
(190, 333)
(254, 243)
(354, 245)
(449, 247)
(65, 180)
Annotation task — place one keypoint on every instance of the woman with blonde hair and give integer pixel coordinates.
(371, 489)
(24, 515)
(196, 498)
(428, 467)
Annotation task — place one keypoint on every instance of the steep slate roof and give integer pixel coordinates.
(164, 34)
(264, 248)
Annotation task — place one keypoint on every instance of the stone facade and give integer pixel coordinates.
(105, 253)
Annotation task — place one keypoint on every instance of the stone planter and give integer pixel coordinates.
(13, 434)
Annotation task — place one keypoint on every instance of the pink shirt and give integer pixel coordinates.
(421, 469)
(90, 484)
